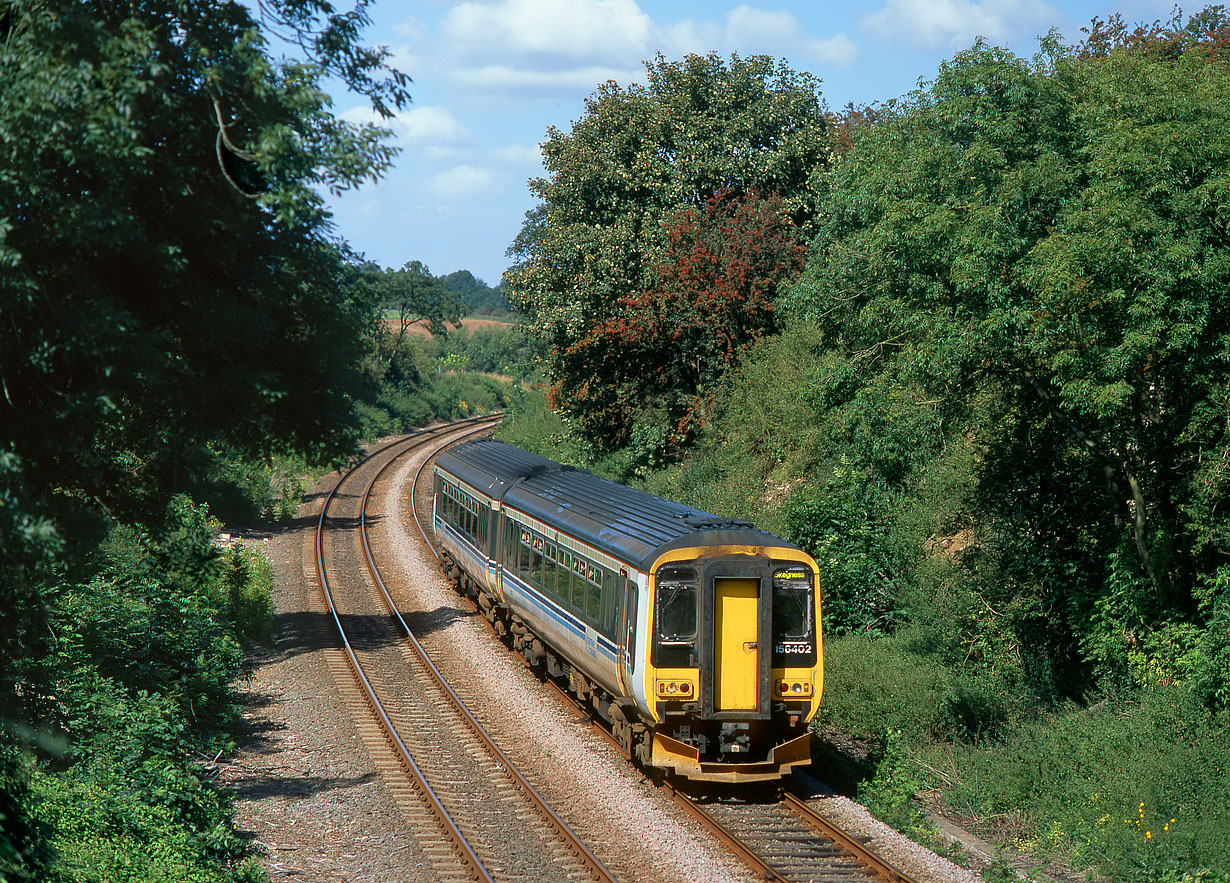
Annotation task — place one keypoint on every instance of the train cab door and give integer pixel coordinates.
(736, 654)
(627, 632)
(736, 657)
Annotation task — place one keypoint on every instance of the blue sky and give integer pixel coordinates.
(490, 76)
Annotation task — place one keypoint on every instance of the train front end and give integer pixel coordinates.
(735, 658)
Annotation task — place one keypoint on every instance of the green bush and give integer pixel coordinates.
(1137, 790)
(249, 599)
(897, 683)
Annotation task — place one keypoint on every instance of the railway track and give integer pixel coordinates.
(779, 840)
(476, 816)
(788, 840)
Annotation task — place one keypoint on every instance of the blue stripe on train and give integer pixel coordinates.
(530, 594)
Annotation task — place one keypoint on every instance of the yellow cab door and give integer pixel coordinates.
(736, 614)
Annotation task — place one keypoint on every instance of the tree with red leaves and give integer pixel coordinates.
(661, 354)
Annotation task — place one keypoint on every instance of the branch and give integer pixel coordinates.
(224, 139)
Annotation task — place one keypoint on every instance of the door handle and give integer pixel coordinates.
(749, 645)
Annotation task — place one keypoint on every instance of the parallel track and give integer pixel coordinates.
(785, 840)
(475, 796)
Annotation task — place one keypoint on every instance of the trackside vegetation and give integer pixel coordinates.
(995, 405)
(184, 339)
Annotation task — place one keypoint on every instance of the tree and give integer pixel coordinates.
(169, 277)
(1037, 252)
(664, 350)
(417, 297)
(639, 155)
(478, 297)
(169, 287)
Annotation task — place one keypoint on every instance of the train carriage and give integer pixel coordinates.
(696, 637)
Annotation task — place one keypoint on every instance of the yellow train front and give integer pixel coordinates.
(696, 638)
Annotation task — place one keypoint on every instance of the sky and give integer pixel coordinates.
(491, 76)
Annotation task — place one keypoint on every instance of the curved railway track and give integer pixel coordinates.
(780, 840)
(476, 816)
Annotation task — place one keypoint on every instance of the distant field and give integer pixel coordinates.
(468, 325)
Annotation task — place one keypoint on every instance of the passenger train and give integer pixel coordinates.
(696, 638)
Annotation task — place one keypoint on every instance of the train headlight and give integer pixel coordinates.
(674, 688)
(787, 687)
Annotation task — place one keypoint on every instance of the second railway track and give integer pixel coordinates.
(493, 828)
(498, 832)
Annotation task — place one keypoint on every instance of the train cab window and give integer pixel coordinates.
(794, 632)
(677, 596)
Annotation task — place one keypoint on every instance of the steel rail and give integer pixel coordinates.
(576, 843)
(743, 851)
(450, 827)
(837, 835)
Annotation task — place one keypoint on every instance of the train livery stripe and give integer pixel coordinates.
(550, 609)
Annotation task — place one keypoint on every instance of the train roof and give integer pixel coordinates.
(631, 525)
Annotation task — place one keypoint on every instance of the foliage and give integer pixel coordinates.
(172, 299)
(1206, 33)
(531, 424)
(905, 684)
(663, 350)
(638, 157)
(478, 298)
(1138, 791)
(1033, 250)
(490, 349)
(193, 296)
(414, 296)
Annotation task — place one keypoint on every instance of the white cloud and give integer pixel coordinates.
(519, 154)
(596, 31)
(572, 81)
(429, 126)
(933, 24)
(462, 182)
(751, 31)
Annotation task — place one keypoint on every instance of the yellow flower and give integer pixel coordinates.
(1148, 835)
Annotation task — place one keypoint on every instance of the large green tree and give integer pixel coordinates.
(1030, 258)
(169, 287)
(169, 277)
(640, 154)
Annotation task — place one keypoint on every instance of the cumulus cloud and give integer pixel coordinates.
(543, 47)
(431, 126)
(751, 31)
(525, 80)
(462, 182)
(518, 154)
(933, 24)
(597, 31)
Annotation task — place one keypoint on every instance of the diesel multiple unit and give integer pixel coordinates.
(696, 638)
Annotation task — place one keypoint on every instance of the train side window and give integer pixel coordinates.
(565, 577)
(593, 593)
(550, 568)
(610, 598)
(535, 569)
